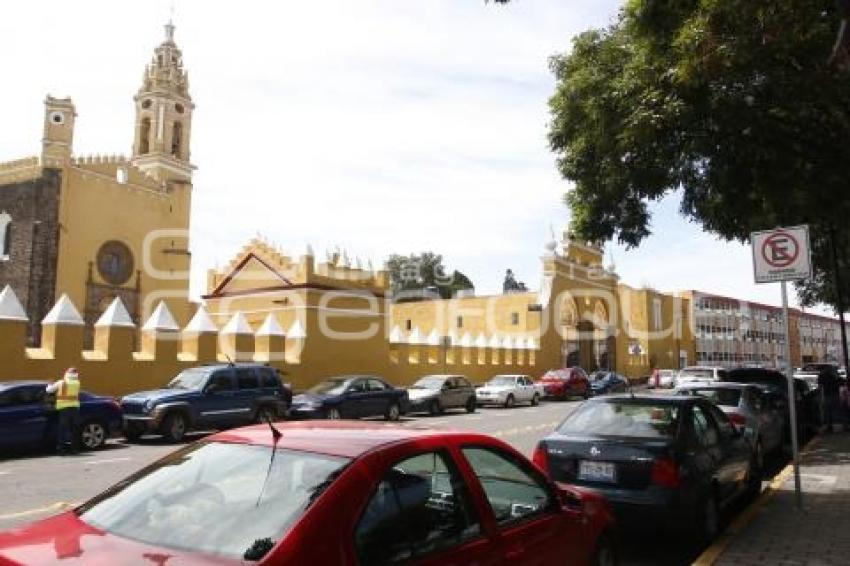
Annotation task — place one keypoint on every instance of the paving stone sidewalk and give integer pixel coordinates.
(781, 535)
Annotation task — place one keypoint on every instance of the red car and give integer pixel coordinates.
(329, 493)
(565, 383)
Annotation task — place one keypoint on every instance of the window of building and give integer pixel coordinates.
(176, 139)
(514, 318)
(421, 507)
(408, 324)
(460, 322)
(145, 136)
(5, 235)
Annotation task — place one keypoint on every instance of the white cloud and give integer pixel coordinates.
(384, 126)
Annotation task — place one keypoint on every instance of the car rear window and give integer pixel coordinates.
(218, 498)
(725, 397)
(623, 418)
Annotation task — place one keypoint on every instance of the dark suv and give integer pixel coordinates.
(207, 397)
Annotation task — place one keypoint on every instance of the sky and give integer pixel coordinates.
(380, 126)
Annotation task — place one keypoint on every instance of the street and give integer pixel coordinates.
(46, 484)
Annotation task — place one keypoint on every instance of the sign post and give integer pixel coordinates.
(783, 255)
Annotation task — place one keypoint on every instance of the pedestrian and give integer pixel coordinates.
(829, 385)
(67, 392)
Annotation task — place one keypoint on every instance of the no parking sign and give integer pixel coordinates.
(781, 254)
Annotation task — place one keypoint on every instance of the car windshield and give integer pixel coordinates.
(189, 379)
(600, 375)
(701, 373)
(217, 498)
(626, 418)
(329, 387)
(502, 380)
(725, 397)
(429, 383)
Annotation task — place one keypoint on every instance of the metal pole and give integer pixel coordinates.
(792, 400)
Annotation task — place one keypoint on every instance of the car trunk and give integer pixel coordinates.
(619, 462)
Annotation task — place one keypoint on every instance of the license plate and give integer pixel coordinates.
(596, 471)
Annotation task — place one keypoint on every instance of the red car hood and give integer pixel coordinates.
(66, 539)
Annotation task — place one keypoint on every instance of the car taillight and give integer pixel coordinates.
(541, 458)
(737, 419)
(665, 472)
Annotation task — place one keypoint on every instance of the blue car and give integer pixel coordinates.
(603, 382)
(351, 397)
(28, 419)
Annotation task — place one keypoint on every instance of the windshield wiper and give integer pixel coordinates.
(258, 549)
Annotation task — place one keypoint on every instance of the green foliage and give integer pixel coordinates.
(421, 272)
(732, 102)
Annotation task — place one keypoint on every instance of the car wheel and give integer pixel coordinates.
(535, 400)
(92, 435)
(586, 393)
(265, 414)
(605, 553)
(393, 413)
(174, 427)
(333, 414)
(509, 402)
(470, 405)
(434, 408)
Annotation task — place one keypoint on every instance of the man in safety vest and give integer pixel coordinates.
(67, 392)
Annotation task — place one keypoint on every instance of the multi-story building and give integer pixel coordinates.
(731, 332)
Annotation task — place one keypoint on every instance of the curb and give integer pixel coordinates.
(710, 555)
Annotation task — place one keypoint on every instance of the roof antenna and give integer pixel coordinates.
(276, 434)
(229, 360)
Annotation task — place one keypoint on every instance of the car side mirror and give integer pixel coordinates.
(211, 388)
(568, 499)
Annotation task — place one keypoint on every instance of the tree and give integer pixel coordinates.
(733, 102)
(424, 272)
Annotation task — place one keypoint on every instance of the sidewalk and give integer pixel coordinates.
(774, 532)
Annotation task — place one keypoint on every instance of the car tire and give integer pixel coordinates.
(393, 413)
(535, 400)
(434, 408)
(586, 393)
(265, 414)
(605, 553)
(174, 427)
(471, 405)
(510, 402)
(333, 414)
(92, 435)
(754, 476)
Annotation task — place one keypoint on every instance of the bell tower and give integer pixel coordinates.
(164, 115)
(58, 138)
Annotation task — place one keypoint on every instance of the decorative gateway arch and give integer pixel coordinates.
(587, 334)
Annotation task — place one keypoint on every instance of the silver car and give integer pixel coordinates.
(436, 393)
(749, 409)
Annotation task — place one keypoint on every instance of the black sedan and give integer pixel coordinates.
(661, 461)
(603, 382)
(28, 418)
(350, 397)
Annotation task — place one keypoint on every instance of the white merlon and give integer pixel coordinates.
(415, 337)
(201, 323)
(115, 315)
(10, 306)
(63, 313)
(530, 344)
(466, 340)
(481, 341)
(495, 342)
(396, 335)
(507, 343)
(433, 338)
(161, 320)
(237, 325)
(296, 330)
(270, 327)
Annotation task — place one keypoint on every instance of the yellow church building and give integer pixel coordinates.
(108, 292)
(96, 227)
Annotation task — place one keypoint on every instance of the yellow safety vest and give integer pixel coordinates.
(68, 396)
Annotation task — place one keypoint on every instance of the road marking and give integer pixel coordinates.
(107, 461)
(523, 429)
(52, 508)
(5, 472)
